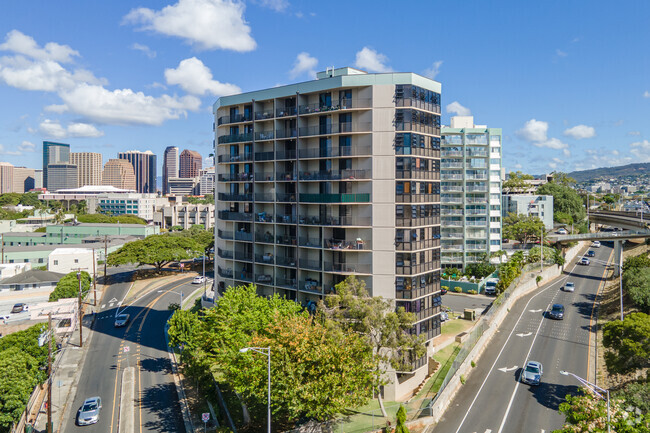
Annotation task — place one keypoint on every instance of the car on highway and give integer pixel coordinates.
(532, 373)
(198, 280)
(569, 286)
(89, 411)
(121, 320)
(562, 231)
(591, 253)
(596, 244)
(584, 261)
(556, 312)
(19, 308)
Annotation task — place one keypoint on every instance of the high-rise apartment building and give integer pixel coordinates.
(6, 177)
(54, 153)
(190, 163)
(170, 167)
(119, 173)
(470, 192)
(24, 179)
(38, 178)
(329, 178)
(144, 167)
(61, 176)
(89, 167)
(206, 184)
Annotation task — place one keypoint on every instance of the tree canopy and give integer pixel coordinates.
(157, 250)
(68, 286)
(636, 282)
(627, 343)
(516, 182)
(106, 219)
(565, 200)
(523, 228)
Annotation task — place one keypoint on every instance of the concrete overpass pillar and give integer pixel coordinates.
(618, 251)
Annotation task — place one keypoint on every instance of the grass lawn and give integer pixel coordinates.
(445, 357)
(367, 418)
(455, 327)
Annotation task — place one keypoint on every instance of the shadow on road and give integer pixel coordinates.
(156, 365)
(550, 395)
(160, 410)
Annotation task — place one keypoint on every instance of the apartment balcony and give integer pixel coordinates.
(285, 112)
(236, 158)
(417, 198)
(285, 219)
(417, 174)
(235, 177)
(476, 247)
(476, 177)
(447, 212)
(286, 240)
(335, 128)
(243, 236)
(451, 200)
(418, 245)
(429, 289)
(235, 197)
(225, 254)
(235, 138)
(285, 176)
(477, 189)
(225, 273)
(264, 156)
(451, 153)
(335, 198)
(476, 211)
(244, 276)
(447, 165)
(265, 259)
(286, 283)
(335, 221)
(347, 245)
(266, 238)
(417, 103)
(238, 118)
(286, 261)
(264, 177)
(264, 135)
(475, 153)
(476, 223)
(448, 188)
(264, 217)
(243, 256)
(286, 133)
(264, 115)
(344, 104)
(333, 152)
(286, 197)
(348, 268)
(417, 222)
(417, 269)
(310, 242)
(476, 200)
(452, 223)
(445, 176)
(267, 197)
(334, 175)
(285, 154)
(314, 265)
(452, 235)
(225, 235)
(235, 216)
(311, 286)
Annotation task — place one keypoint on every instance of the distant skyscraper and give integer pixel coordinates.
(61, 176)
(6, 177)
(119, 173)
(191, 163)
(89, 167)
(144, 167)
(38, 178)
(206, 185)
(54, 153)
(24, 179)
(170, 167)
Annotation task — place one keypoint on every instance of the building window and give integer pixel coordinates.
(495, 242)
(76, 260)
(56, 263)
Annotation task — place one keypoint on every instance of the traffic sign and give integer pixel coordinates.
(182, 265)
(205, 416)
(126, 349)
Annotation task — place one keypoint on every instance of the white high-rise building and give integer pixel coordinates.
(170, 167)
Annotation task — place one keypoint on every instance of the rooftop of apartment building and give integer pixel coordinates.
(329, 79)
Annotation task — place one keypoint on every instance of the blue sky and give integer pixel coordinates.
(567, 81)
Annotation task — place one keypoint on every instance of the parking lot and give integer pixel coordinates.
(458, 302)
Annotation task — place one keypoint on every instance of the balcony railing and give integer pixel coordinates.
(287, 283)
(451, 176)
(236, 158)
(264, 135)
(335, 175)
(311, 286)
(286, 261)
(260, 196)
(225, 273)
(451, 200)
(310, 242)
(335, 128)
(235, 197)
(334, 221)
(243, 256)
(417, 222)
(343, 104)
(244, 276)
(417, 174)
(233, 119)
(264, 114)
(452, 153)
(444, 188)
(264, 237)
(235, 138)
(235, 216)
(335, 198)
(224, 234)
(344, 244)
(263, 217)
(224, 254)
(353, 268)
(417, 198)
(332, 152)
(285, 154)
(287, 198)
(264, 177)
(264, 156)
(243, 236)
(285, 133)
(451, 165)
(286, 240)
(314, 265)
(285, 176)
(266, 259)
(284, 112)
(285, 219)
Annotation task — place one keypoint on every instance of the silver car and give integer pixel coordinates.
(569, 287)
(89, 411)
(121, 320)
(532, 373)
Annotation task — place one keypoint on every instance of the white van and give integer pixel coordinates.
(491, 286)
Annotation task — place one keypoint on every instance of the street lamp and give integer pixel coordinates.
(264, 351)
(178, 293)
(593, 388)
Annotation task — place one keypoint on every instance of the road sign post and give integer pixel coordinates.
(205, 417)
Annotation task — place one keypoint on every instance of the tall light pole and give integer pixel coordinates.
(203, 274)
(264, 351)
(80, 312)
(49, 372)
(541, 250)
(593, 388)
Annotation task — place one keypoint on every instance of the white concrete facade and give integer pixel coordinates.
(66, 260)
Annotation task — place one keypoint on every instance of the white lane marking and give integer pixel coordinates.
(525, 335)
(469, 409)
(536, 311)
(103, 305)
(512, 398)
(506, 369)
(112, 301)
(110, 305)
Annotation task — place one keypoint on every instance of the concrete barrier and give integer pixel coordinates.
(126, 420)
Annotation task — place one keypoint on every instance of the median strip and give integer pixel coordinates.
(125, 419)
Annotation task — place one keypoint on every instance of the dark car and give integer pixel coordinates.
(443, 291)
(557, 312)
(591, 253)
(18, 308)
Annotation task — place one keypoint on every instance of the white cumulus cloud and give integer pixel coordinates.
(196, 78)
(456, 107)
(434, 70)
(580, 132)
(372, 61)
(551, 143)
(206, 24)
(53, 129)
(144, 49)
(276, 5)
(641, 150)
(533, 130)
(304, 64)
(20, 43)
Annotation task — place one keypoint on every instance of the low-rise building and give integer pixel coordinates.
(184, 186)
(8, 270)
(186, 215)
(31, 280)
(37, 255)
(140, 205)
(66, 260)
(75, 233)
(540, 206)
(74, 195)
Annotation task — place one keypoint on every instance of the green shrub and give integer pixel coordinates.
(472, 292)
(457, 289)
(462, 379)
(68, 286)
(473, 364)
(445, 288)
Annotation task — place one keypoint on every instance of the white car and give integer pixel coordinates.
(198, 280)
(562, 231)
(569, 286)
(596, 244)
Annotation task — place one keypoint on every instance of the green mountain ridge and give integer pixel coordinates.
(611, 172)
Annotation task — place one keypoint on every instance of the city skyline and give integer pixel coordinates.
(153, 82)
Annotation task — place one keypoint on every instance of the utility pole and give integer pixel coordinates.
(105, 255)
(94, 280)
(2, 236)
(49, 372)
(80, 312)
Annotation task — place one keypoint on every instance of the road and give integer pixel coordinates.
(493, 400)
(141, 344)
(458, 302)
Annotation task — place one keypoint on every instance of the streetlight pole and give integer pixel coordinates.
(541, 250)
(80, 312)
(49, 373)
(592, 387)
(204, 274)
(264, 351)
(178, 293)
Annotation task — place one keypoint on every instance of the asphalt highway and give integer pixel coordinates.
(141, 344)
(493, 400)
